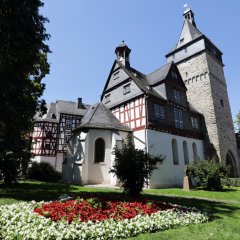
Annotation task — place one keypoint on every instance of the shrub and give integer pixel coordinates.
(231, 182)
(43, 171)
(133, 167)
(208, 173)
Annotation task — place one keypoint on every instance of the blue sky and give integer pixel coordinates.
(85, 33)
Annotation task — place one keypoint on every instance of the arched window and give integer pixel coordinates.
(99, 150)
(194, 148)
(185, 152)
(175, 152)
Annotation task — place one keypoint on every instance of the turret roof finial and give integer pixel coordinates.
(186, 7)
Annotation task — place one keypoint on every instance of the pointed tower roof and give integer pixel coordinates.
(99, 116)
(189, 29)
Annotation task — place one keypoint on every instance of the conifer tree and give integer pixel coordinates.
(23, 65)
(133, 167)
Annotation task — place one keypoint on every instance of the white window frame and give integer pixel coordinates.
(194, 122)
(159, 111)
(68, 123)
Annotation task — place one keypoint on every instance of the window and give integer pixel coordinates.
(185, 153)
(175, 152)
(67, 138)
(49, 134)
(159, 111)
(68, 123)
(126, 89)
(181, 40)
(99, 150)
(176, 95)
(54, 116)
(194, 122)
(185, 50)
(178, 117)
(194, 148)
(107, 98)
(174, 75)
(221, 101)
(116, 75)
(47, 146)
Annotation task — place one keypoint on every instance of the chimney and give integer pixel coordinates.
(80, 104)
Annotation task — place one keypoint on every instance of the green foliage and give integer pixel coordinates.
(133, 167)
(208, 173)
(238, 122)
(23, 64)
(231, 182)
(43, 171)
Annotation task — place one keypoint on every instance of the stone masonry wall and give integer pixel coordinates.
(207, 92)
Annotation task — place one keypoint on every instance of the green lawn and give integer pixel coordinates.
(223, 207)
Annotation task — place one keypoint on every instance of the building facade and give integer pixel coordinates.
(180, 111)
(53, 131)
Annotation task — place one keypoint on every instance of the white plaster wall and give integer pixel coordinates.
(117, 138)
(140, 139)
(59, 161)
(168, 174)
(98, 173)
(73, 167)
(54, 161)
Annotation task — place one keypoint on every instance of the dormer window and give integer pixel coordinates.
(54, 116)
(174, 75)
(126, 89)
(107, 98)
(176, 95)
(116, 75)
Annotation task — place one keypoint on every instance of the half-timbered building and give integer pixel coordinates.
(155, 107)
(53, 130)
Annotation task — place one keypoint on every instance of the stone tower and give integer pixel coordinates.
(200, 64)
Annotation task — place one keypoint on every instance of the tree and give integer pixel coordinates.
(133, 167)
(23, 64)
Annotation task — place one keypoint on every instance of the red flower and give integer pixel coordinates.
(98, 209)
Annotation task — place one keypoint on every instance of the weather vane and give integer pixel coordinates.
(185, 5)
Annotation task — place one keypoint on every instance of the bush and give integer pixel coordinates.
(43, 171)
(208, 173)
(133, 167)
(231, 182)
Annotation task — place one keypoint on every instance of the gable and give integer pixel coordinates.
(174, 78)
(116, 76)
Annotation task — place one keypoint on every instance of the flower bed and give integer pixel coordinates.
(91, 219)
(94, 209)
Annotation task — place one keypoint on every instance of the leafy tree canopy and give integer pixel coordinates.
(133, 167)
(23, 65)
